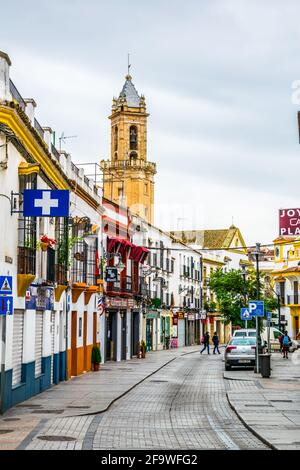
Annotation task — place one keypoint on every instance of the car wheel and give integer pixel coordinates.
(227, 367)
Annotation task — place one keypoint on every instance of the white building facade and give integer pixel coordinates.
(53, 327)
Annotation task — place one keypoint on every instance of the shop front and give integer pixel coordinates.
(151, 322)
(120, 330)
(191, 329)
(181, 330)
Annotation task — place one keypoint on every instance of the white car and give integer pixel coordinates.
(249, 332)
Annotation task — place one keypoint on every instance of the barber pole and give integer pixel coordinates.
(100, 305)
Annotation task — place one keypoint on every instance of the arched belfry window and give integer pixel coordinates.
(116, 138)
(133, 156)
(133, 137)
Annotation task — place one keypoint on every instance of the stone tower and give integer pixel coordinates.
(128, 176)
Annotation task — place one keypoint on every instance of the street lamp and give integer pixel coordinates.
(257, 253)
(244, 274)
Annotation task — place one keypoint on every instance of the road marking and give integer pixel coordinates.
(223, 436)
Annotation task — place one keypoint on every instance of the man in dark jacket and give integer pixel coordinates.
(206, 343)
(216, 341)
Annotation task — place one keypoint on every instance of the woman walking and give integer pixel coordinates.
(216, 341)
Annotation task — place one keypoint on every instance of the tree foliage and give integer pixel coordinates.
(234, 292)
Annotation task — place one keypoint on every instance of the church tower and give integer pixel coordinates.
(128, 176)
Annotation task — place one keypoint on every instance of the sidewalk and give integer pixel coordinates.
(89, 393)
(270, 407)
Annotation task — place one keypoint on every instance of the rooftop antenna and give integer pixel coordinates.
(63, 138)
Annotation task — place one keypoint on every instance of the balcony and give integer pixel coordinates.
(293, 300)
(122, 164)
(124, 285)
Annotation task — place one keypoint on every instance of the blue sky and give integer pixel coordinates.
(217, 76)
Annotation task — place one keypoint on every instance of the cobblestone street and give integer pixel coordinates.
(182, 406)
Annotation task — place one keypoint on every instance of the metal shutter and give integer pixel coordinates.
(39, 320)
(52, 342)
(181, 333)
(17, 352)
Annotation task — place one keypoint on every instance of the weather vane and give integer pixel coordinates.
(128, 64)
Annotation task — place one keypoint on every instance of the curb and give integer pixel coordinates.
(255, 433)
(94, 413)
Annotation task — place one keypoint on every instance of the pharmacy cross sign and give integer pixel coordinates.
(46, 203)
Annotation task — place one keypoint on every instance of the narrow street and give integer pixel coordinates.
(183, 406)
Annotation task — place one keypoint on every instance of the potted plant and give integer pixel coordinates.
(96, 358)
(45, 241)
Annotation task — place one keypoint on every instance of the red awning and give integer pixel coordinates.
(136, 253)
(139, 253)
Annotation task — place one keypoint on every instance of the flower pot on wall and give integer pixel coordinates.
(44, 246)
(96, 367)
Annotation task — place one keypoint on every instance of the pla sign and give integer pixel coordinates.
(289, 222)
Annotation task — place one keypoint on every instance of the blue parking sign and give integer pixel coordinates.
(256, 308)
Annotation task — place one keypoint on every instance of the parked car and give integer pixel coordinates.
(240, 351)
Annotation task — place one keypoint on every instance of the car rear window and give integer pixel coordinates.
(252, 334)
(240, 333)
(243, 342)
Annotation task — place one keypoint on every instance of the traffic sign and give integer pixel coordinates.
(6, 305)
(6, 285)
(46, 203)
(269, 316)
(245, 314)
(256, 308)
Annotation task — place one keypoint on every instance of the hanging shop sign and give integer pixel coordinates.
(46, 203)
(191, 317)
(111, 274)
(118, 302)
(39, 298)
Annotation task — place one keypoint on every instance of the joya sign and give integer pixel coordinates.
(289, 221)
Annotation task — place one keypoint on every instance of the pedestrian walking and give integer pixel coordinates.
(286, 344)
(280, 342)
(206, 343)
(216, 341)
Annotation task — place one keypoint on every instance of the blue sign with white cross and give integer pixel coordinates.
(256, 308)
(6, 305)
(46, 203)
(245, 314)
(6, 285)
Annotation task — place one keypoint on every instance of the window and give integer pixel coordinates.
(26, 230)
(115, 138)
(133, 138)
(133, 156)
(146, 188)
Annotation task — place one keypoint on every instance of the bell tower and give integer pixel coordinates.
(128, 176)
